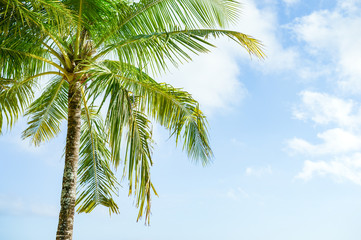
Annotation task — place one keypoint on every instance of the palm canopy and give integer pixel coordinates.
(111, 47)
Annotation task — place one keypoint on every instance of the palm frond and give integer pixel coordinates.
(159, 48)
(123, 114)
(150, 16)
(21, 16)
(21, 57)
(97, 182)
(173, 108)
(37, 62)
(47, 112)
(138, 160)
(15, 95)
(28, 24)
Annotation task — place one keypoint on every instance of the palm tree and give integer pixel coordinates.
(101, 55)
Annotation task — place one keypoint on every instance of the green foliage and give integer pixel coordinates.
(47, 112)
(173, 108)
(73, 40)
(14, 97)
(97, 182)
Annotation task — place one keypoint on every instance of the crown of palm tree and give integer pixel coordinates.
(110, 47)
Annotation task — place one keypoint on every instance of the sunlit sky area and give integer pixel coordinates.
(286, 134)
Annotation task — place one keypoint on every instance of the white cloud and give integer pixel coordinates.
(258, 172)
(350, 6)
(341, 144)
(342, 168)
(325, 109)
(335, 33)
(335, 141)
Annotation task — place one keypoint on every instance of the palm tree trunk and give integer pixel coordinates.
(68, 193)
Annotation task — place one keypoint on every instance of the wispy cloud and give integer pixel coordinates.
(324, 109)
(331, 37)
(341, 168)
(236, 194)
(20, 206)
(258, 171)
(339, 145)
(334, 141)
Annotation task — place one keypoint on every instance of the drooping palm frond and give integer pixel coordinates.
(253, 46)
(15, 95)
(173, 108)
(130, 93)
(124, 117)
(47, 112)
(138, 161)
(97, 182)
(21, 58)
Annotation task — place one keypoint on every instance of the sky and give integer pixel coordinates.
(285, 132)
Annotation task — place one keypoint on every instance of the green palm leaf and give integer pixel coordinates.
(123, 114)
(47, 112)
(138, 161)
(14, 97)
(17, 57)
(32, 15)
(175, 46)
(150, 16)
(97, 182)
(173, 108)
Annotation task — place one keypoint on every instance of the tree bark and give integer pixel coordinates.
(68, 193)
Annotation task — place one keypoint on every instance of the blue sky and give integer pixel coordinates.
(285, 132)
